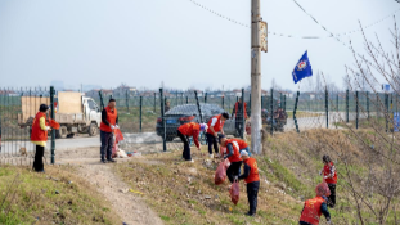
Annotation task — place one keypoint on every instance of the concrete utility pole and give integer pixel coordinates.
(255, 77)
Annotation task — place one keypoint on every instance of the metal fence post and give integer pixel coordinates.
(205, 98)
(326, 107)
(176, 97)
(140, 112)
(357, 109)
(271, 111)
(284, 103)
(187, 99)
(368, 103)
(242, 119)
(280, 100)
(182, 98)
(347, 105)
(294, 111)
(128, 98)
(155, 103)
(337, 104)
(53, 134)
(223, 102)
(164, 138)
(387, 109)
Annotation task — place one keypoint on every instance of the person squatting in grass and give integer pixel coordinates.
(109, 120)
(233, 148)
(39, 135)
(330, 177)
(314, 208)
(215, 124)
(185, 131)
(252, 178)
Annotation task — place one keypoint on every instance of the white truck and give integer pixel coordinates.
(75, 113)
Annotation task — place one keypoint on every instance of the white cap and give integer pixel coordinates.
(244, 153)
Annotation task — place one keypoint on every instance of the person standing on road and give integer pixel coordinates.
(238, 110)
(215, 124)
(39, 135)
(109, 119)
(314, 208)
(330, 177)
(252, 177)
(185, 131)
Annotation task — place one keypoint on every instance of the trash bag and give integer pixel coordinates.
(234, 192)
(220, 174)
(117, 138)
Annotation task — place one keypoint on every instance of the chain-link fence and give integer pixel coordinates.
(149, 119)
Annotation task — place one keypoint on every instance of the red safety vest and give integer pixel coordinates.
(326, 172)
(244, 109)
(254, 173)
(312, 210)
(218, 125)
(111, 118)
(189, 129)
(37, 133)
(236, 154)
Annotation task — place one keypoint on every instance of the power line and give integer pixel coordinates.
(294, 36)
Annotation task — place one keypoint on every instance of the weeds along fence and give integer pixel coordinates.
(149, 119)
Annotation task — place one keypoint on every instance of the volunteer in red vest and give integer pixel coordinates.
(232, 148)
(39, 135)
(252, 178)
(330, 177)
(216, 124)
(238, 109)
(314, 208)
(109, 121)
(185, 131)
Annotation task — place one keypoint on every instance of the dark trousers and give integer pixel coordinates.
(332, 197)
(210, 141)
(106, 145)
(186, 147)
(238, 125)
(252, 191)
(233, 170)
(38, 163)
(304, 223)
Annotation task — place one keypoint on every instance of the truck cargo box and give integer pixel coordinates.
(30, 106)
(69, 102)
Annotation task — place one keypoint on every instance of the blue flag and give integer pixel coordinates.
(302, 69)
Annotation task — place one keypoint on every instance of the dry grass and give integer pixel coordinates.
(27, 196)
(185, 193)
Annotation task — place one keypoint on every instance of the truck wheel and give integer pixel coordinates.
(63, 131)
(93, 129)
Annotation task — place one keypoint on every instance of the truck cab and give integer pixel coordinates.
(92, 114)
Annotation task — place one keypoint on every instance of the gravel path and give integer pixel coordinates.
(128, 206)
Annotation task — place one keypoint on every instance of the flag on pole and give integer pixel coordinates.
(303, 69)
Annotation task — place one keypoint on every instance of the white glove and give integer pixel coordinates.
(236, 177)
(112, 127)
(329, 222)
(325, 177)
(47, 128)
(320, 173)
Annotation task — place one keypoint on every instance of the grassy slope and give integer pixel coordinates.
(33, 195)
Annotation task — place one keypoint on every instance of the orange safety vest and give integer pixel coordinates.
(37, 133)
(254, 173)
(244, 109)
(236, 154)
(111, 118)
(312, 210)
(189, 129)
(326, 172)
(218, 125)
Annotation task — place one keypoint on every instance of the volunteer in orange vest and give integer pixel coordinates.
(252, 178)
(39, 135)
(185, 131)
(232, 152)
(314, 208)
(109, 121)
(238, 109)
(330, 177)
(215, 124)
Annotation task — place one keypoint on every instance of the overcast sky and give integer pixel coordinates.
(145, 42)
